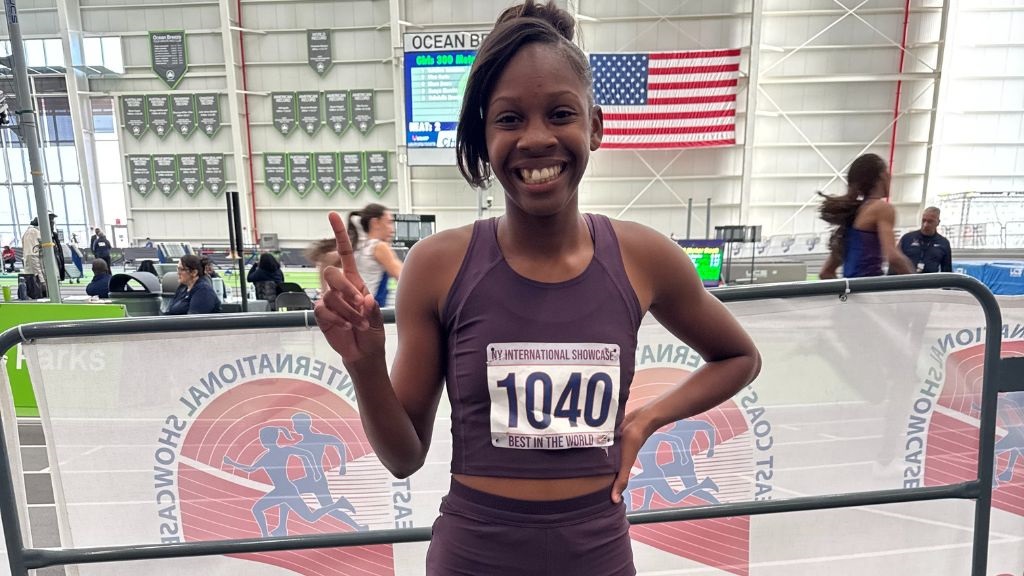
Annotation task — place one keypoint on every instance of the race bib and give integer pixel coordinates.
(553, 396)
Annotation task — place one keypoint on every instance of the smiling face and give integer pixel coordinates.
(540, 129)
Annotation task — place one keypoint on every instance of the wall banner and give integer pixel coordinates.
(169, 55)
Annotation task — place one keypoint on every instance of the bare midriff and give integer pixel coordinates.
(538, 489)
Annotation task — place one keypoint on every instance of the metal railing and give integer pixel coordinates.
(980, 489)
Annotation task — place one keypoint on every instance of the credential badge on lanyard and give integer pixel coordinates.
(553, 396)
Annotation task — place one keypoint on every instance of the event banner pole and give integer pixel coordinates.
(707, 221)
(689, 216)
(27, 129)
(231, 227)
(239, 248)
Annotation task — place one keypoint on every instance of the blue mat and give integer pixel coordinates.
(1002, 278)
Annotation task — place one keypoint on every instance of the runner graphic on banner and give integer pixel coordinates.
(1010, 448)
(287, 493)
(677, 442)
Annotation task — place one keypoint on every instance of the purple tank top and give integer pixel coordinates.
(863, 254)
(538, 373)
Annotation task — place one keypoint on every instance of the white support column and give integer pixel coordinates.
(750, 117)
(69, 22)
(126, 183)
(402, 171)
(947, 41)
(236, 111)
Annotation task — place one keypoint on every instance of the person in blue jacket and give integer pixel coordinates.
(266, 270)
(101, 247)
(100, 284)
(195, 295)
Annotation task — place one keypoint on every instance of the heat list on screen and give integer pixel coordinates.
(707, 258)
(434, 84)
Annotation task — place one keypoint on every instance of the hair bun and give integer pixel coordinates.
(558, 18)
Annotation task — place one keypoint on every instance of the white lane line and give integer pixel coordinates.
(909, 518)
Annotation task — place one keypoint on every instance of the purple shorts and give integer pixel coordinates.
(479, 533)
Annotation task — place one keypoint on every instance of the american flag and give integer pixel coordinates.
(667, 99)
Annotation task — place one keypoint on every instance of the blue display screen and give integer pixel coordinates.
(434, 84)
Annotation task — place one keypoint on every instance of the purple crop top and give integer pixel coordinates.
(538, 373)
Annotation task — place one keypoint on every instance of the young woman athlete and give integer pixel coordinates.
(863, 238)
(530, 320)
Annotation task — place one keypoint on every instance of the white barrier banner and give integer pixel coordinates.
(14, 453)
(205, 436)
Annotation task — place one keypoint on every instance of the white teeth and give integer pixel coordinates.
(540, 176)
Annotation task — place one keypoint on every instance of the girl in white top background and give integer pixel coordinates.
(371, 230)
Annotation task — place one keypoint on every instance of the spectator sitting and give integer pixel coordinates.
(222, 292)
(266, 270)
(100, 284)
(195, 295)
(9, 258)
(147, 266)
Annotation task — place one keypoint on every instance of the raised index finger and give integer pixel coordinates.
(344, 244)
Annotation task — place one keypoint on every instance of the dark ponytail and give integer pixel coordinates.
(362, 218)
(840, 211)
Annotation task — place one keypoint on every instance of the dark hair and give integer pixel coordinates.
(99, 266)
(840, 211)
(519, 26)
(368, 213)
(194, 263)
(269, 263)
(147, 266)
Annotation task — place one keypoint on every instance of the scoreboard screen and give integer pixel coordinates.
(436, 70)
(707, 258)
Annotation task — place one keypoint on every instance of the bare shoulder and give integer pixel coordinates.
(650, 258)
(432, 263)
(881, 208)
(639, 242)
